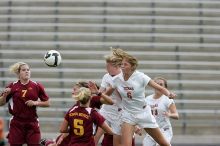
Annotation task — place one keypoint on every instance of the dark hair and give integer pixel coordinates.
(161, 78)
(84, 84)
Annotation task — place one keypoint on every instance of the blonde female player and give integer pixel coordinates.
(111, 113)
(131, 84)
(162, 109)
(24, 96)
(79, 120)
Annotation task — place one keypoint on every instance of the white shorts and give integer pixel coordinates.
(149, 141)
(113, 120)
(144, 119)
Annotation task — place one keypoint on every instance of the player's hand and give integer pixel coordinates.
(172, 95)
(166, 114)
(93, 87)
(31, 103)
(138, 130)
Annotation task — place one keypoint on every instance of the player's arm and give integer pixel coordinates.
(106, 128)
(64, 127)
(2, 100)
(105, 99)
(61, 138)
(38, 103)
(161, 89)
(3, 96)
(172, 112)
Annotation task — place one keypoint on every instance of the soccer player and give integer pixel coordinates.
(162, 109)
(25, 96)
(111, 113)
(131, 84)
(96, 102)
(79, 120)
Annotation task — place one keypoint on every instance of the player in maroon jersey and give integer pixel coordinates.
(24, 96)
(79, 120)
(95, 102)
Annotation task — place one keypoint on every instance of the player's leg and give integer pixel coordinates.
(117, 140)
(127, 134)
(33, 136)
(157, 135)
(16, 133)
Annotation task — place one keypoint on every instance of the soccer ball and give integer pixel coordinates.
(52, 58)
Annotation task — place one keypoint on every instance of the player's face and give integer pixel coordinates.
(75, 90)
(160, 82)
(25, 72)
(110, 68)
(126, 66)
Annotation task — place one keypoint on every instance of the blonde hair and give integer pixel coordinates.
(114, 60)
(83, 96)
(119, 53)
(15, 68)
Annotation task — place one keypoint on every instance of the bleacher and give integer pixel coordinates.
(178, 40)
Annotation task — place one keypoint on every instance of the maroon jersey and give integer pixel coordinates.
(21, 93)
(81, 122)
(95, 102)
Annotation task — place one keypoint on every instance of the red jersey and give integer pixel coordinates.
(81, 122)
(21, 93)
(95, 102)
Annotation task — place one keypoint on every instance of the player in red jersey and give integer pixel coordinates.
(24, 96)
(79, 121)
(95, 102)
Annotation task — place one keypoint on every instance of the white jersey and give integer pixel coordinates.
(132, 91)
(106, 82)
(112, 113)
(158, 107)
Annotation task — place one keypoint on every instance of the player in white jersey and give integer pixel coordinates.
(131, 84)
(162, 109)
(112, 113)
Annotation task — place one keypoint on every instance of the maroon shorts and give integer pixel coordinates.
(107, 140)
(21, 132)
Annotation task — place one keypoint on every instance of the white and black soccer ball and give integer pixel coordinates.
(52, 58)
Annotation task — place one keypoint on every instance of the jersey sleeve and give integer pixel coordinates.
(146, 79)
(168, 102)
(95, 102)
(66, 116)
(42, 94)
(10, 94)
(98, 118)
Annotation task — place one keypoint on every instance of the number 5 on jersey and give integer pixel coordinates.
(78, 127)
